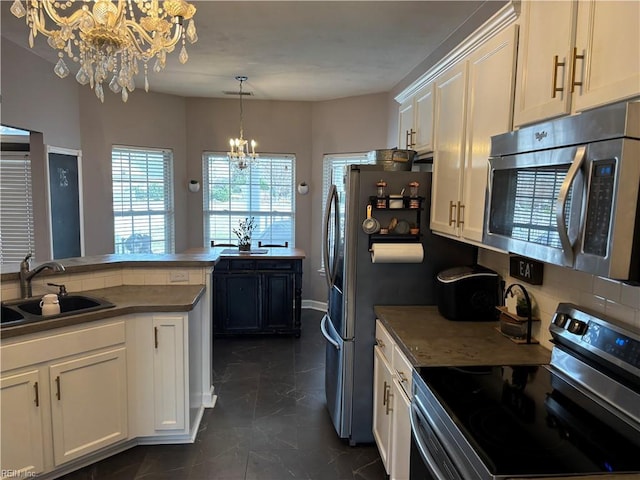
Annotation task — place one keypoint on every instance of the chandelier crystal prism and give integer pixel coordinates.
(110, 39)
(239, 153)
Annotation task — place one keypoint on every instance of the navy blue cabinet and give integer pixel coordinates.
(257, 296)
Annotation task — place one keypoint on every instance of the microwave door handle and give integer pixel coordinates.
(561, 205)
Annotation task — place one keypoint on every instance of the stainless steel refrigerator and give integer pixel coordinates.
(356, 284)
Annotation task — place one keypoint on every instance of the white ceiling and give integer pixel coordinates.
(297, 50)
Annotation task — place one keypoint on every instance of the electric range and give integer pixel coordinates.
(579, 415)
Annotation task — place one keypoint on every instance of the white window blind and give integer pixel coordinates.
(16, 209)
(534, 218)
(142, 200)
(264, 191)
(333, 171)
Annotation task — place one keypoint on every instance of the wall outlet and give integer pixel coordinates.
(178, 276)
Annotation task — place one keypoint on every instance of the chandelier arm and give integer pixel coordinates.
(144, 35)
(72, 21)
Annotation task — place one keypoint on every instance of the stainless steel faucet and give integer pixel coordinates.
(26, 274)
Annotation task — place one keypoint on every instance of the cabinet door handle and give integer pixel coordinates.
(384, 393)
(58, 396)
(37, 399)
(554, 81)
(155, 337)
(460, 215)
(380, 343)
(452, 208)
(573, 69)
(389, 409)
(407, 141)
(401, 376)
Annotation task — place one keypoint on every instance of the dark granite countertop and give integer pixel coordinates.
(428, 339)
(127, 299)
(195, 257)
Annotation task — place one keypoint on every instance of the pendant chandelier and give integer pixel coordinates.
(109, 39)
(239, 153)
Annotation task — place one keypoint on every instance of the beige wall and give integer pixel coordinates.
(72, 117)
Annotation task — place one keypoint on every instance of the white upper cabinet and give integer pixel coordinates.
(423, 120)
(406, 131)
(576, 55)
(448, 160)
(608, 37)
(415, 121)
(474, 100)
(489, 112)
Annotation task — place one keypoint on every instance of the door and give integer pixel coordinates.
(490, 103)
(448, 158)
(532, 208)
(608, 36)
(277, 289)
(338, 382)
(169, 373)
(544, 57)
(382, 406)
(238, 302)
(88, 404)
(22, 440)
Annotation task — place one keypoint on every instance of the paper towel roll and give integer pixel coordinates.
(397, 253)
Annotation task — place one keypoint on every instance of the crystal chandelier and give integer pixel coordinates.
(109, 39)
(239, 147)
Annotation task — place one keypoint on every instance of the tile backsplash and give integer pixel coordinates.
(109, 277)
(615, 299)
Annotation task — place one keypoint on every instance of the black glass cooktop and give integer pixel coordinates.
(524, 420)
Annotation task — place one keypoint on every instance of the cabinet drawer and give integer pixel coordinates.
(277, 265)
(402, 369)
(52, 346)
(385, 342)
(242, 264)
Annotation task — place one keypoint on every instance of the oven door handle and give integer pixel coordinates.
(424, 451)
(561, 206)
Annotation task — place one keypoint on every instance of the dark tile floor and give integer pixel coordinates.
(270, 422)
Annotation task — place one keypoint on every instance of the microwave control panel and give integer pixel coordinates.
(599, 207)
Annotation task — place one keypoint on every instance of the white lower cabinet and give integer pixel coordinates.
(382, 409)
(22, 448)
(88, 403)
(169, 375)
(158, 374)
(391, 404)
(63, 396)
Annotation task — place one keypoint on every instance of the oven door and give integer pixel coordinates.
(534, 203)
(429, 459)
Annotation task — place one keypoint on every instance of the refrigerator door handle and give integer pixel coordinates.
(332, 205)
(325, 333)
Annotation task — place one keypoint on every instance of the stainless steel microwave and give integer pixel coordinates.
(566, 192)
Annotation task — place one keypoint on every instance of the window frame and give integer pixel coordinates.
(265, 219)
(162, 158)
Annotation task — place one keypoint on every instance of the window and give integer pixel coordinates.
(143, 214)
(16, 209)
(333, 170)
(264, 191)
(333, 166)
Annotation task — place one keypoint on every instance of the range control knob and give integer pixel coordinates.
(577, 327)
(560, 319)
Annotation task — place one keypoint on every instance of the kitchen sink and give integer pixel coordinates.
(28, 310)
(10, 315)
